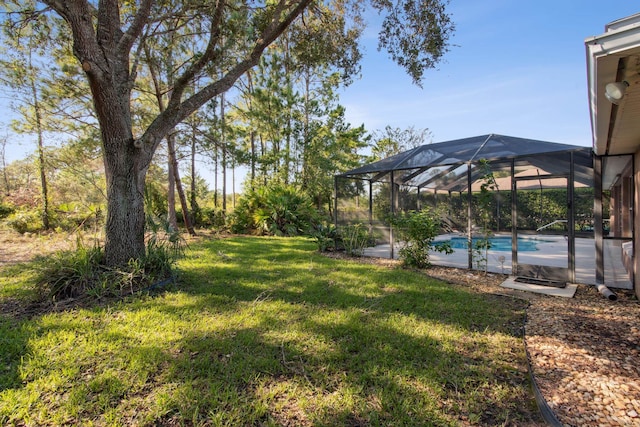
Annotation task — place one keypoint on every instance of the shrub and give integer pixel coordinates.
(212, 218)
(276, 209)
(155, 199)
(328, 238)
(416, 232)
(163, 238)
(69, 274)
(355, 238)
(484, 213)
(6, 210)
(479, 252)
(72, 217)
(82, 273)
(24, 221)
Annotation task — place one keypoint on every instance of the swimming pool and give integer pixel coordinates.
(498, 243)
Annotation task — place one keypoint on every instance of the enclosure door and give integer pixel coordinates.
(615, 263)
(541, 237)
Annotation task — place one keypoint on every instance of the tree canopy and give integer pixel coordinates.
(212, 45)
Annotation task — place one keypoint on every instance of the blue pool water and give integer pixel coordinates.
(498, 243)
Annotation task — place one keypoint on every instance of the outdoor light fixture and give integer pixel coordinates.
(614, 92)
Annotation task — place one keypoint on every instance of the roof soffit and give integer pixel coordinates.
(615, 56)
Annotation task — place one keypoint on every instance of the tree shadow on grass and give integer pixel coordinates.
(330, 290)
(251, 378)
(296, 369)
(282, 336)
(239, 277)
(13, 342)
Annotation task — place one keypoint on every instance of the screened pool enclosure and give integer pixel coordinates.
(543, 191)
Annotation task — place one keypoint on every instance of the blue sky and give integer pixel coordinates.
(518, 68)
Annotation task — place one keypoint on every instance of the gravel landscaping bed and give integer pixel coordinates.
(584, 351)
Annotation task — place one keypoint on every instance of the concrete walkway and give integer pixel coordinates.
(552, 251)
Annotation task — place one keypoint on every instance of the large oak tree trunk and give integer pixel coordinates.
(125, 205)
(125, 168)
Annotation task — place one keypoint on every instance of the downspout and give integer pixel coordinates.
(606, 292)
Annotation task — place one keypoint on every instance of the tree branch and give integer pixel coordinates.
(135, 29)
(182, 81)
(177, 111)
(56, 5)
(108, 31)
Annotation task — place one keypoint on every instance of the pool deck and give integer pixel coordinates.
(552, 251)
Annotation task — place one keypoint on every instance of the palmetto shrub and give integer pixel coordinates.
(276, 209)
(327, 237)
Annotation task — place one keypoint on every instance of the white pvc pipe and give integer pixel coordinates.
(606, 292)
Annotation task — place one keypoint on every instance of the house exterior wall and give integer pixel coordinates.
(614, 214)
(612, 57)
(626, 205)
(636, 224)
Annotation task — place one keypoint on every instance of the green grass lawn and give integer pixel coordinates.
(268, 332)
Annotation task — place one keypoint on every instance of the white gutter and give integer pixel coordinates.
(622, 35)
